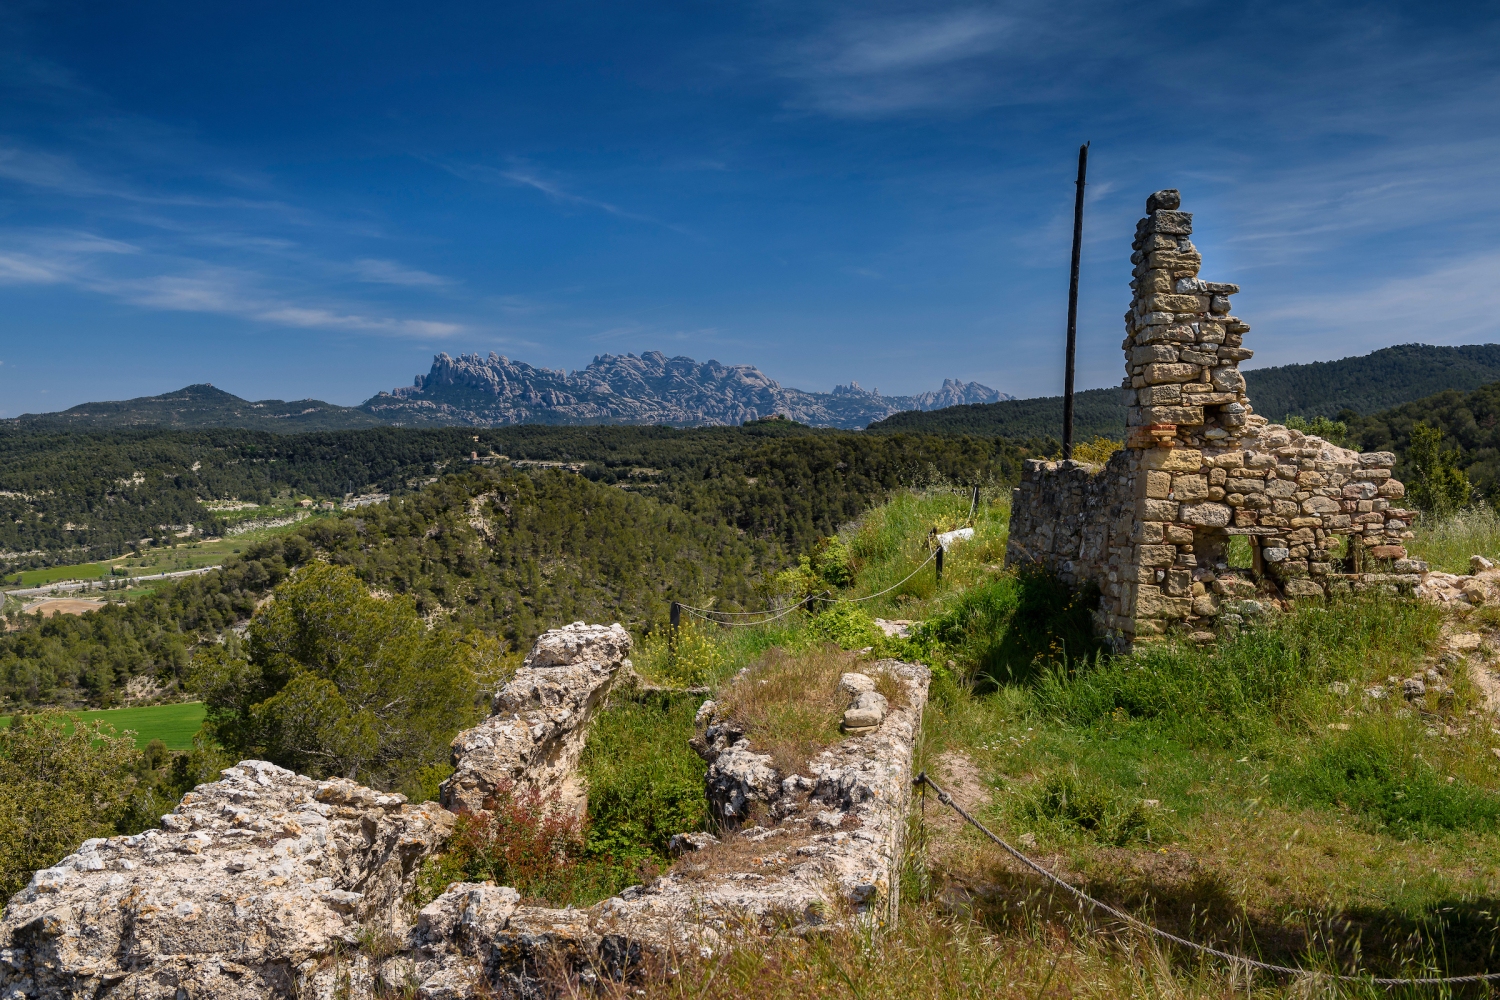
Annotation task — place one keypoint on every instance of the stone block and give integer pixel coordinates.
(1245, 485)
(1189, 416)
(1377, 460)
(1198, 357)
(1320, 505)
(1156, 555)
(1177, 303)
(1392, 489)
(1207, 515)
(1178, 534)
(1154, 354)
(1149, 532)
(1160, 395)
(1159, 372)
(1387, 551)
(1158, 485)
(1227, 378)
(1179, 262)
(1176, 223)
(1189, 487)
(1172, 460)
(1302, 587)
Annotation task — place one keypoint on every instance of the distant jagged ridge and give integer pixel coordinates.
(495, 391)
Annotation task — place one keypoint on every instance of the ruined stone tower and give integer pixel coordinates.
(1152, 528)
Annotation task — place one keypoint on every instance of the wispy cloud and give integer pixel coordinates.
(388, 272)
(526, 175)
(78, 259)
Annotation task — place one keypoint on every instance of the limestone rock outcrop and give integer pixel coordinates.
(249, 889)
(650, 389)
(533, 739)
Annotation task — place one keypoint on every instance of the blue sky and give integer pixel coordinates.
(294, 200)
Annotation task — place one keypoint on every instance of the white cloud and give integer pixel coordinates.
(1457, 303)
(387, 272)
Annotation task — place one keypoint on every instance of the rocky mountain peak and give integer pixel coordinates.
(650, 388)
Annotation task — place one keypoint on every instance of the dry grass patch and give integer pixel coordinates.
(789, 704)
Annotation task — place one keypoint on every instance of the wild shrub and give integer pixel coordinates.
(1012, 628)
(1215, 695)
(1376, 771)
(1070, 803)
(1332, 431)
(61, 782)
(1447, 542)
(688, 656)
(340, 682)
(846, 625)
(1438, 486)
(644, 782)
(529, 843)
(1097, 451)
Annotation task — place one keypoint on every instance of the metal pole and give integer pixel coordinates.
(1083, 168)
(974, 507)
(940, 564)
(675, 614)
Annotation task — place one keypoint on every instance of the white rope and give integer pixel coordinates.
(947, 800)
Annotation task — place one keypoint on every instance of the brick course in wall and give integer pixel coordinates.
(1152, 528)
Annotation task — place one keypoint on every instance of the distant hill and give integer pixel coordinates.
(1365, 384)
(198, 406)
(495, 391)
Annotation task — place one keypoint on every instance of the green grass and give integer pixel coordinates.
(175, 725)
(185, 555)
(1448, 543)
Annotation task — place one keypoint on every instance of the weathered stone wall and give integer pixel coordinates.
(1152, 528)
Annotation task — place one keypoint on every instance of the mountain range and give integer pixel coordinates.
(650, 389)
(494, 391)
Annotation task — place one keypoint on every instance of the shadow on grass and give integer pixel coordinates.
(1014, 628)
(1446, 937)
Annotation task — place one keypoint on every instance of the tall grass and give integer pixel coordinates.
(1447, 543)
(1263, 675)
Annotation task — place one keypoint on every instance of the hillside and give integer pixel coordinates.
(509, 553)
(624, 389)
(1385, 378)
(70, 497)
(1470, 422)
(197, 406)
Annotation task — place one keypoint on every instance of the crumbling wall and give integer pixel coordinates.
(1152, 528)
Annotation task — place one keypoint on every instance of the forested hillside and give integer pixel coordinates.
(1366, 384)
(508, 553)
(1470, 422)
(72, 496)
(199, 406)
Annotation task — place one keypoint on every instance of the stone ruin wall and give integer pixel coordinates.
(1152, 527)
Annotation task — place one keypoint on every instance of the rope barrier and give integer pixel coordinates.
(706, 613)
(947, 800)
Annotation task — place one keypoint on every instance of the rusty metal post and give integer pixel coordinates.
(1067, 439)
(675, 616)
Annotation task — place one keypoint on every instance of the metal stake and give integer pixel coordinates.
(1083, 167)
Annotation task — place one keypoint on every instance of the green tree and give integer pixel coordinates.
(336, 681)
(1439, 486)
(61, 782)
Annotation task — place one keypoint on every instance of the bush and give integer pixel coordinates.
(688, 656)
(341, 682)
(645, 783)
(846, 625)
(1013, 628)
(530, 843)
(61, 782)
(1438, 485)
(1068, 802)
(1373, 771)
(1332, 431)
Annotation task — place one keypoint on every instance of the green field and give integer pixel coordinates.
(174, 725)
(187, 555)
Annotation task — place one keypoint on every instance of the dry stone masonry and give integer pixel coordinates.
(1151, 528)
(268, 884)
